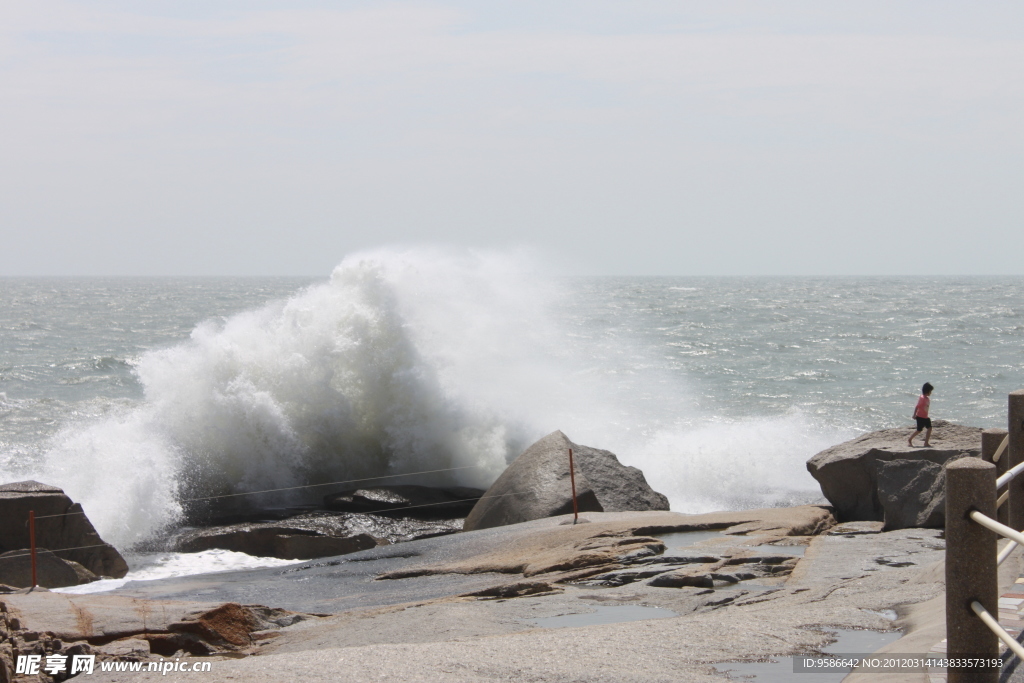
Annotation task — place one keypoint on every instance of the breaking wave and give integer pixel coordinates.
(403, 361)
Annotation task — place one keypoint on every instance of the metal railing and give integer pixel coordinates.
(977, 515)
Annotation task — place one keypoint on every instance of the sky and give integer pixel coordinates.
(648, 137)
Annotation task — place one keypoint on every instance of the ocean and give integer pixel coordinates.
(142, 397)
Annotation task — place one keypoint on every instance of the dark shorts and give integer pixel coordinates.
(923, 422)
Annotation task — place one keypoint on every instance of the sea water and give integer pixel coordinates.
(139, 396)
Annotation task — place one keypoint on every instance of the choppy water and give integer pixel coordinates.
(136, 394)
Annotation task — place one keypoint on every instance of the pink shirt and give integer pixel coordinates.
(922, 406)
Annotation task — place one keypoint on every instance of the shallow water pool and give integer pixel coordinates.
(678, 540)
(685, 539)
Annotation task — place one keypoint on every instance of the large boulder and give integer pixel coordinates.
(61, 527)
(537, 484)
(848, 472)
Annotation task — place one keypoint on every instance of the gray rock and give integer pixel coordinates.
(913, 494)
(619, 488)
(312, 535)
(848, 472)
(537, 484)
(279, 541)
(51, 571)
(697, 576)
(743, 567)
(418, 501)
(84, 575)
(60, 524)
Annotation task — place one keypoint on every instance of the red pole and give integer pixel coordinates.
(32, 543)
(572, 478)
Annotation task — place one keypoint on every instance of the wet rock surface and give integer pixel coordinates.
(311, 535)
(451, 626)
(426, 569)
(415, 501)
(848, 472)
(447, 625)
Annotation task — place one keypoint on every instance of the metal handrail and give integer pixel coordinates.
(1016, 537)
(1008, 476)
(1002, 448)
(1005, 552)
(994, 626)
(995, 526)
(968, 492)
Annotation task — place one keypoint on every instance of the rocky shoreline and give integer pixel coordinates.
(402, 597)
(466, 607)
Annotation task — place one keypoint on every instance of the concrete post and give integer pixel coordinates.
(970, 567)
(1015, 425)
(991, 439)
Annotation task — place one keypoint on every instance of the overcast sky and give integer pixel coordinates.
(633, 137)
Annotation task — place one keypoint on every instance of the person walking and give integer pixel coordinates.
(921, 415)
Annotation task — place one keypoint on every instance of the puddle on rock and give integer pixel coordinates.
(849, 642)
(605, 615)
(678, 540)
(685, 539)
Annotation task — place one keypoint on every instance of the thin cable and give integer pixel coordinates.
(446, 502)
(63, 514)
(294, 488)
(331, 483)
(59, 550)
(408, 507)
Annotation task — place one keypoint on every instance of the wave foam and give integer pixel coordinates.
(404, 361)
(362, 376)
